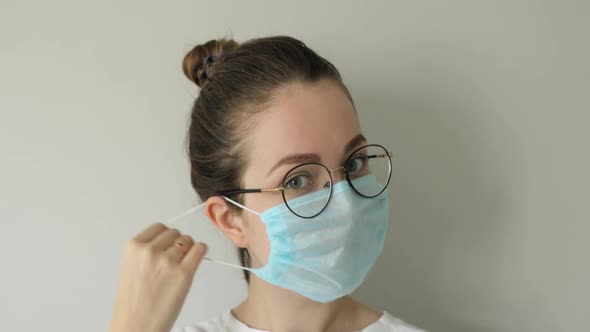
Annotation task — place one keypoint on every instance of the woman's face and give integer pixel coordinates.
(307, 122)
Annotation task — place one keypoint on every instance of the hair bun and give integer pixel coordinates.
(197, 62)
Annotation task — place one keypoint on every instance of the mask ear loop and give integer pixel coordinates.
(172, 221)
(240, 205)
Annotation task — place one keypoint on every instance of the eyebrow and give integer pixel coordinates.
(301, 158)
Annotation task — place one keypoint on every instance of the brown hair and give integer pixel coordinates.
(242, 80)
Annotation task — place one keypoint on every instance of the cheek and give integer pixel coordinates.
(258, 243)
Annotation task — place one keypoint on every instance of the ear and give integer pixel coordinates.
(231, 224)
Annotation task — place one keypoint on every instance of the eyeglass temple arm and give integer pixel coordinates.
(381, 155)
(239, 191)
(247, 191)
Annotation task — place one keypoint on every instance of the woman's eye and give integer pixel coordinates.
(298, 182)
(356, 164)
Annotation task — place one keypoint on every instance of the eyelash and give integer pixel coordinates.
(283, 180)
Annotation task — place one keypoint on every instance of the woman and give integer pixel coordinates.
(279, 160)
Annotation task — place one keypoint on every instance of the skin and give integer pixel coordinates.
(304, 118)
(156, 276)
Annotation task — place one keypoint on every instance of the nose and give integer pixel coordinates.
(338, 174)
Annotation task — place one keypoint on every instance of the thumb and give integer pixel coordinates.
(194, 256)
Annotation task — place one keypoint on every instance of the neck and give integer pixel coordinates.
(272, 308)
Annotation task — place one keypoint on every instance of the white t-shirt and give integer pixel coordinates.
(227, 322)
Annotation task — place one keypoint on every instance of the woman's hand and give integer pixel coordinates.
(156, 276)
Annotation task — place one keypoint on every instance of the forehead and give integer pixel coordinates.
(303, 118)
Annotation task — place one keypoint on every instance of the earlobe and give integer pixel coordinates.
(231, 224)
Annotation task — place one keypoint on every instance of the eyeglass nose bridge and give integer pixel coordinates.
(337, 169)
(341, 168)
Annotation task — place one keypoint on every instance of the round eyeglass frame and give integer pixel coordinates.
(347, 177)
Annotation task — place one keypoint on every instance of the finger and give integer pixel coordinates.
(165, 238)
(194, 256)
(150, 232)
(176, 251)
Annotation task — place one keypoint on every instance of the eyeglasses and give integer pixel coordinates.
(316, 178)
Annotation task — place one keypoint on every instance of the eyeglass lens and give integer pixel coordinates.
(371, 160)
(315, 179)
(307, 179)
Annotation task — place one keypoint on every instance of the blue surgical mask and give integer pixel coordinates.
(328, 256)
